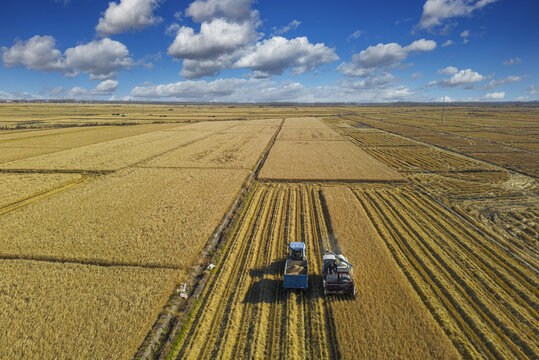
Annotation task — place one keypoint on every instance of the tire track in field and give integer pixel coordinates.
(45, 193)
(244, 311)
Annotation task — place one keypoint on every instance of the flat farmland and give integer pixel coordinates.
(387, 305)
(26, 144)
(245, 312)
(111, 155)
(19, 187)
(321, 159)
(128, 217)
(110, 234)
(59, 310)
(239, 146)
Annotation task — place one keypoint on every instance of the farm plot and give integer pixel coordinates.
(323, 160)
(304, 123)
(244, 312)
(369, 137)
(485, 300)
(391, 320)
(519, 160)
(422, 158)
(110, 155)
(304, 134)
(38, 142)
(150, 217)
(70, 311)
(17, 187)
(238, 149)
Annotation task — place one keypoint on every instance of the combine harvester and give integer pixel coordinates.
(337, 274)
(295, 269)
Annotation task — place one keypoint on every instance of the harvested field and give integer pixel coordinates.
(244, 312)
(423, 158)
(323, 160)
(386, 307)
(17, 187)
(371, 137)
(150, 217)
(485, 300)
(508, 134)
(305, 123)
(236, 150)
(70, 311)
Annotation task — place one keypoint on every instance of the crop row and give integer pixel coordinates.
(485, 300)
(244, 311)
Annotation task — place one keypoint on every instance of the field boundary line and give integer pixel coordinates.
(332, 181)
(56, 171)
(153, 341)
(44, 194)
(449, 150)
(101, 263)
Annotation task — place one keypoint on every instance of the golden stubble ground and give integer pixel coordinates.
(387, 320)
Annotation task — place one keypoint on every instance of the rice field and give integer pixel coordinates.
(108, 232)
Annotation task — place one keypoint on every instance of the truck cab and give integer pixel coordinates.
(296, 266)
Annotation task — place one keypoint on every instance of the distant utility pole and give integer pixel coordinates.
(443, 109)
(249, 104)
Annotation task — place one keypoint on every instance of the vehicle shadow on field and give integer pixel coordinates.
(268, 290)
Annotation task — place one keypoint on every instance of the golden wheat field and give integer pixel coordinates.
(108, 225)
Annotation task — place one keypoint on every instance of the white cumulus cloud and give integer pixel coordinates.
(449, 70)
(273, 55)
(37, 53)
(107, 87)
(462, 78)
(495, 83)
(448, 43)
(494, 96)
(102, 59)
(436, 11)
(235, 10)
(215, 38)
(128, 15)
(266, 90)
(228, 39)
(382, 55)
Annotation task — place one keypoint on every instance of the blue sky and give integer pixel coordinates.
(300, 50)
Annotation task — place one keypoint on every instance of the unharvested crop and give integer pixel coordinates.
(323, 160)
(239, 147)
(387, 320)
(32, 143)
(16, 187)
(158, 217)
(70, 311)
(110, 155)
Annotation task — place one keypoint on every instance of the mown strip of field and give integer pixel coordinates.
(484, 299)
(387, 320)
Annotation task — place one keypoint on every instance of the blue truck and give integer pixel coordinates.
(295, 269)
